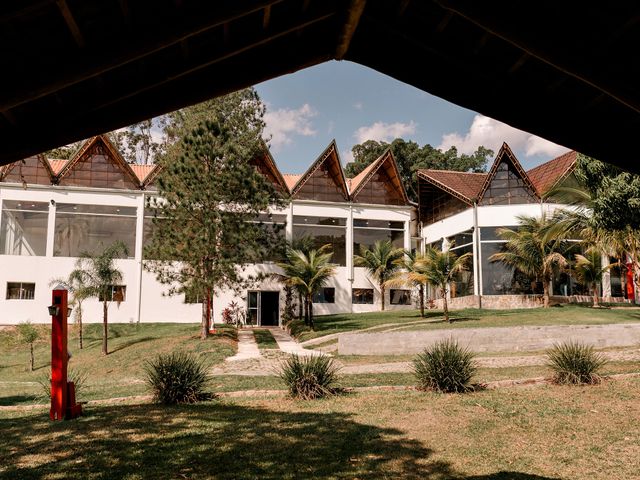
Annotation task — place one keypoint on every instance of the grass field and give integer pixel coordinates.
(539, 433)
(467, 318)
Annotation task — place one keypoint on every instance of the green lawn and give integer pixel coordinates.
(542, 433)
(468, 318)
(118, 374)
(265, 339)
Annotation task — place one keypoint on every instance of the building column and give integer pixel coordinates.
(349, 245)
(606, 277)
(407, 235)
(138, 253)
(476, 253)
(288, 231)
(51, 226)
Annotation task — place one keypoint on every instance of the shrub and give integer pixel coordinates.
(574, 363)
(28, 334)
(445, 367)
(78, 377)
(310, 377)
(177, 377)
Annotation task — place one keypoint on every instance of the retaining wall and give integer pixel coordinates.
(499, 339)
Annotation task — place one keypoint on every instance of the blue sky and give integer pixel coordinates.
(352, 103)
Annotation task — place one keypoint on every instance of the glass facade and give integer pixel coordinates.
(325, 295)
(508, 188)
(323, 231)
(399, 297)
(367, 232)
(362, 296)
(23, 228)
(91, 228)
(501, 279)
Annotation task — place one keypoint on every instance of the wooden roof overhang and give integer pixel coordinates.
(331, 157)
(388, 162)
(433, 183)
(77, 68)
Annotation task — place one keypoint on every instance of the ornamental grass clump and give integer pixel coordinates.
(311, 377)
(445, 367)
(177, 377)
(575, 363)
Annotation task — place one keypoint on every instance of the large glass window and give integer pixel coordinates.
(116, 293)
(23, 228)
(501, 279)
(323, 230)
(367, 232)
(91, 228)
(362, 296)
(400, 297)
(508, 188)
(325, 295)
(20, 291)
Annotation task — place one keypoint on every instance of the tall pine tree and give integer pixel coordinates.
(206, 225)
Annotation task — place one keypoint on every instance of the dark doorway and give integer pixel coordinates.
(269, 302)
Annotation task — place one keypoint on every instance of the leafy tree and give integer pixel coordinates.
(411, 274)
(138, 144)
(440, 268)
(307, 273)
(206, 227)
(99, 275)
(79, 291)
(411, 157)
(589, 271)
(64, 152)
(531, 250)
(381, 261)
(28, 334)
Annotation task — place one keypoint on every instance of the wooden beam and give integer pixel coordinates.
(77, 72)
(228, 53)
(266, 18)
(564, 65)
(72, 25)
(24, 10)
(354, 13)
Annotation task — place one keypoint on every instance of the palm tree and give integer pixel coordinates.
(412, 274)
(307, 273)
(532, 250)
(439, 269)
(380, 261)
(99, 275)
(75, 285)
(305, 244)
(589, 271)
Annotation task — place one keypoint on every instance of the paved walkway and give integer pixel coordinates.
(247, 347)
(287, 344)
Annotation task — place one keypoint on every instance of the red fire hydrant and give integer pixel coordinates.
(63, 393)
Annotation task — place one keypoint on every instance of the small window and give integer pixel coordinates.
(20, 291)
(400, 297)
(325, 295)
(362, 295)
(117, 293)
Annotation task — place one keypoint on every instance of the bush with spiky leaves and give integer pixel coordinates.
(575, 363)
(311, 377)
(77, 376)
(177, 377)
(445, 367)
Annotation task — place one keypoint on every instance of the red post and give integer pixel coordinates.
(63, 401)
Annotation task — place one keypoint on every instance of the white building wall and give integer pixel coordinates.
(146, 299)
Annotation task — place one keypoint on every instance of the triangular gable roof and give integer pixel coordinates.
(330, 155)
(505, 153)
(291, 180)
(266, 160)
(41, 161)
(142, 171)
(113, 153)
(386, 160)
(57, 164)
(464, 186)
(549, 174)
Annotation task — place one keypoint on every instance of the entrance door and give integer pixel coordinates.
(269, 303)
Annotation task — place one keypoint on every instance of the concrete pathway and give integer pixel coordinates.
(287, 344)
(247, 347)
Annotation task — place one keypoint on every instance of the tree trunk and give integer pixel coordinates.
(623, 276)
(421, 294)
(382, 295)
(306, 310)
(545, 294)
(80, 325)
(445, 306)
(310, 307)
(31, 357)
(105, 330)
(595, 295)
(206, 312)
(300, 307)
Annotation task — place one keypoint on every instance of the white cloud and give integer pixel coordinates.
(358, 106)
(491, 133)
(346, 156)
(284, 123)
(384, 132)
(331, 126)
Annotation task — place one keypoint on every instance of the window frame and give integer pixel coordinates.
(21, 290)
